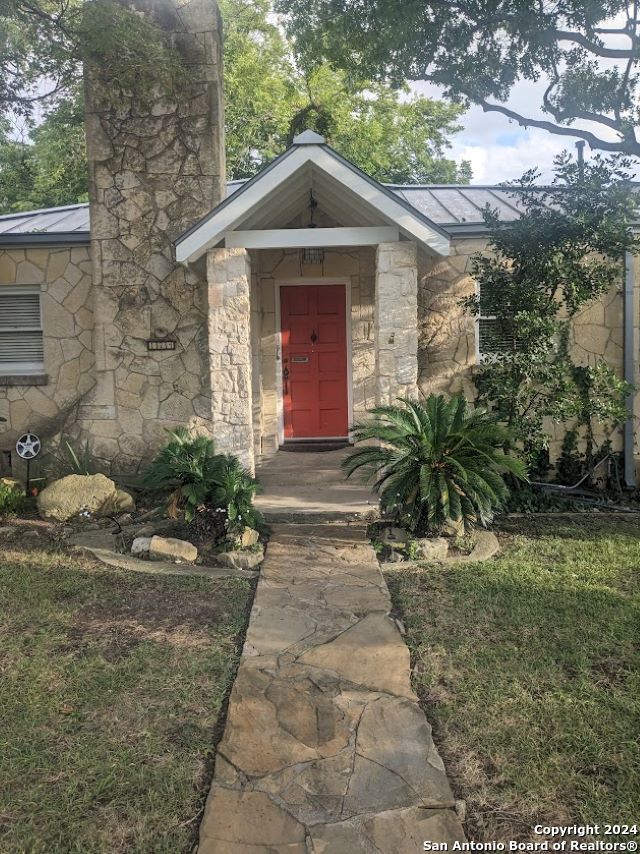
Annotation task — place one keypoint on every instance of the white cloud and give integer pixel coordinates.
(501, 150)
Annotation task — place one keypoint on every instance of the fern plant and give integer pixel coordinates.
(234, 491)
(436, 462)
(194, 476)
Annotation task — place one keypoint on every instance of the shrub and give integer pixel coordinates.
(234, 490)
(194, 476)
(437, 462)
(67, 460)
(12, 497)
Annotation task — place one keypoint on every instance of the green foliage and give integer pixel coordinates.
(235, 490)
(12, 498)
(587, 54)
(437, 462)
(562, 254)
(269, 99)
(571, 463)
(411, 550)
(44, 43)
(194, 476)
(67, 460)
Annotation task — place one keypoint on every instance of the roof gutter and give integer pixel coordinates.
(629, 356)
(38, 239)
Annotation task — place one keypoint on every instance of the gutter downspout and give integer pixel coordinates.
(629, 350)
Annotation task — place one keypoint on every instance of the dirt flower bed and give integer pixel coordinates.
(113, 689)
(529, 668)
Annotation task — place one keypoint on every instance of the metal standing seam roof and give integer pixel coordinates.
(453, 207)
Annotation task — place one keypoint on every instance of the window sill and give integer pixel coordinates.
(23, 379)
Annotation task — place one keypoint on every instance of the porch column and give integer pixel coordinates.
(396, 321)
(229, 287)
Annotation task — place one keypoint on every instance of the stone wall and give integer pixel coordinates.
(396, 318)
(156, 166)
(357, 265)
(229, 286)
(64, 278)
(447, 353)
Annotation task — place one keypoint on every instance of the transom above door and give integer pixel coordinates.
(315, 396)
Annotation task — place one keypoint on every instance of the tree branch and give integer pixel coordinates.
(626, 145)
(597, 49)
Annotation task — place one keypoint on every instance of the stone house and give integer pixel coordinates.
(263, 312)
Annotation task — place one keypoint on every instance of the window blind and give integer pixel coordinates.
(21, 341)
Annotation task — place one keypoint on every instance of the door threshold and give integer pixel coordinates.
(314, 445)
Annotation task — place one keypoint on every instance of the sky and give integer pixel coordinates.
(499, 149)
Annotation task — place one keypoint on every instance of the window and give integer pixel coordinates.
(492, 338)
(21, 343)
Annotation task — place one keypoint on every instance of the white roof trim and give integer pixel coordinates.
(231, 213)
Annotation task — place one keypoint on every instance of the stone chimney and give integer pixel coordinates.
(156, 166)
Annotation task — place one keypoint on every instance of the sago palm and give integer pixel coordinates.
(436, 462)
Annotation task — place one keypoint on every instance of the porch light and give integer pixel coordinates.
(312, 255)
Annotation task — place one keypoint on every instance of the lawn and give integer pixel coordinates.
(112, 690)
(528, 668)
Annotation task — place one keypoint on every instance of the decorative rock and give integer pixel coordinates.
(249, 538)
(124, 502)
(168, 548)
(146, 531)
(453, 528)
(240, 560)
(69, 496)
(395, 536)
(140, 546)
(432, 548)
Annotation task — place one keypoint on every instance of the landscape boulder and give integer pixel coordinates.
(250, 537)
(66, 498)
(168, 548)
(396, 537)
(240, 560)
(432, 548)
(124, 502)
(140, 546)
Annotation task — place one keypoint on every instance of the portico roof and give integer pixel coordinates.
(366, 211)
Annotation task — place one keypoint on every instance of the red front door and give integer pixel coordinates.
(314, 361)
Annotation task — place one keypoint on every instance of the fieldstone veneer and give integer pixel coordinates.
(229, 283)
(156, 166)
(396, 321)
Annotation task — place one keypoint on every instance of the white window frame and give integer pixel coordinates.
(24, 368)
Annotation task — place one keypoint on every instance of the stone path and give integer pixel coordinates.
(325, 748)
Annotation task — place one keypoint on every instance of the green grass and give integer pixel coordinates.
(528, 667)
(112, 686)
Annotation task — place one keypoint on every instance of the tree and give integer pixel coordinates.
(392, 136)
(564, 252)
(50, 168)
(587, 53)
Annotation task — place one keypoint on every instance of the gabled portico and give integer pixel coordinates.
(312, 272)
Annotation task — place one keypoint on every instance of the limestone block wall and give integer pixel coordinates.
(357, 265)
(64, 276)
(396, 315)
(156, 167)
(229, 285)
(447, 352)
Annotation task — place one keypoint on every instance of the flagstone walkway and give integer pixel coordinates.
(325, 748)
